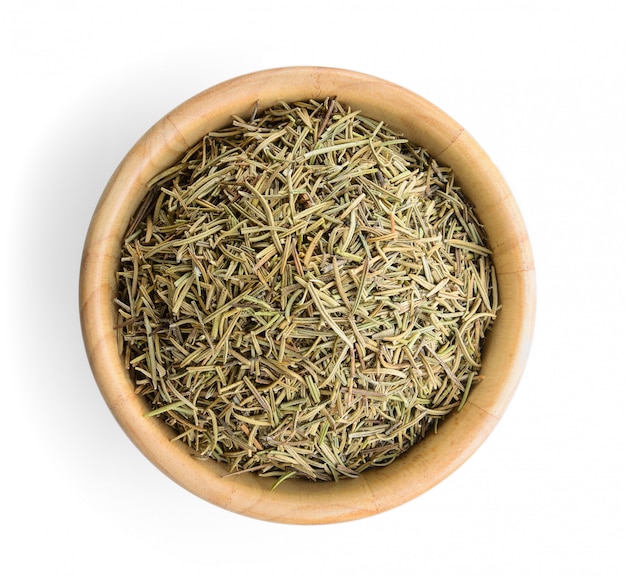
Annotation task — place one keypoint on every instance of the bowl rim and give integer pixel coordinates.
(505, 353)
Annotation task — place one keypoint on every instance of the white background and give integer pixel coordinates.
(540, 84)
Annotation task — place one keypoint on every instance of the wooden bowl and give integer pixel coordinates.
(504, 354)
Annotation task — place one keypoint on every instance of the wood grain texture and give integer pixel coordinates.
(505, 353)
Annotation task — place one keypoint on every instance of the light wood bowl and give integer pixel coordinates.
(504, 354)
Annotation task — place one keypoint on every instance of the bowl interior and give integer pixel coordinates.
(504, 354)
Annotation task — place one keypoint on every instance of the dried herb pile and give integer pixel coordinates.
(304, 293)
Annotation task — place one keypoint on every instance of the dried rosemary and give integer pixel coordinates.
(305, 293)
